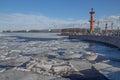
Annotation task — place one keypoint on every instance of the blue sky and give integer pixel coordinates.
(65, 10)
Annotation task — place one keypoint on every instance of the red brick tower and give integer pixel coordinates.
(92, 20)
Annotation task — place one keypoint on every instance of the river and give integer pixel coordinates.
(32, 44)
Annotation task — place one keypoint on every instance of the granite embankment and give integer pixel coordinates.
(112, 40)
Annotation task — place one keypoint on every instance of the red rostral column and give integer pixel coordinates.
(106, 28)
(92, 20)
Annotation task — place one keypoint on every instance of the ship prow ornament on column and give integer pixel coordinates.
(92, 21)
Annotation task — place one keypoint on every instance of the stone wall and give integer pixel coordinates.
(112, 40)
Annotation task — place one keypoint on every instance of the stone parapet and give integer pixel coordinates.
(112, 40)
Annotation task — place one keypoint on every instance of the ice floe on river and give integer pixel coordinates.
(49, 55)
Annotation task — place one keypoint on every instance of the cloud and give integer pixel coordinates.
(25, 21)
(115, 20)
(114, 17)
